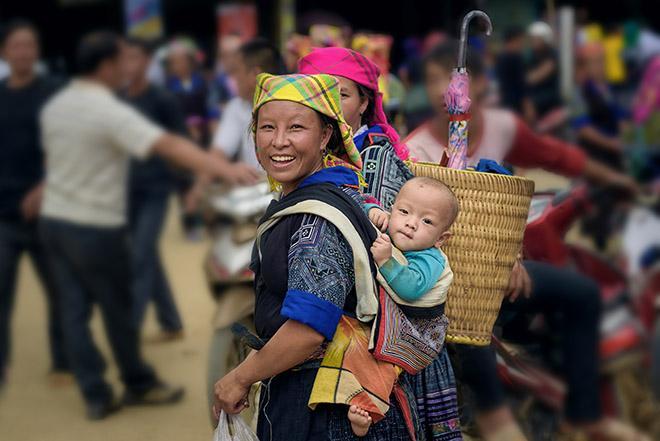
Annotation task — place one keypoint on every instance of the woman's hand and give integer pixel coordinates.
(382, 249)
(379, 218)
(519, 283)
(230, 394)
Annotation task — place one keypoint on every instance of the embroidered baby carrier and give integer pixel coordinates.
(407, 335)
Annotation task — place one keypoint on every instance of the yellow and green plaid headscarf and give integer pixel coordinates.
(318, 92)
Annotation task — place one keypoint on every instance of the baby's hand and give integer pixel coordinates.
(380, 218)
(382, 249)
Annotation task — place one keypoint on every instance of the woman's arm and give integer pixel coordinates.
(291, 345)
(313, 306)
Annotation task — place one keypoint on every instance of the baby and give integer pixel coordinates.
(422, 214)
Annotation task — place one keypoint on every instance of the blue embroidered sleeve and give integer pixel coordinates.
(320, 275)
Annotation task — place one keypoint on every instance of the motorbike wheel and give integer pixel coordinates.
(225, 353)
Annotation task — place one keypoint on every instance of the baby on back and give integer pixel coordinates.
(408, 253)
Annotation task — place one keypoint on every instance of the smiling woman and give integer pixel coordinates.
(309, 281)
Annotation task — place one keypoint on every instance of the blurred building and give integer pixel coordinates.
(62, 22)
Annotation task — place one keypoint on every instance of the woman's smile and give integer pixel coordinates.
(282, 161)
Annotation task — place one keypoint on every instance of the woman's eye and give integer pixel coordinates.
(296, 127)
(344, 95)
(266, 127)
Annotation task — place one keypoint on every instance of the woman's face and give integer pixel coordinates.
(352, 104)
(290, 139)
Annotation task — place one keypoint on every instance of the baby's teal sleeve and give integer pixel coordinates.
(367, 207)
(412, 281)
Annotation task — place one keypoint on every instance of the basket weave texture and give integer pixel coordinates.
(487, 237)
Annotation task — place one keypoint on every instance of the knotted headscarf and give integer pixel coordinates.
(356, 67)
(318, 92)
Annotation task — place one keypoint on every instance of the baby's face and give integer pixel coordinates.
(419, 217)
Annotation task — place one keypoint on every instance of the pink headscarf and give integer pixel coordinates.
(349, 64)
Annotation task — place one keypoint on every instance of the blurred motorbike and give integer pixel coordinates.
(630, 330)
(232, 216)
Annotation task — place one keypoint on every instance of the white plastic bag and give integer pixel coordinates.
(233, 428)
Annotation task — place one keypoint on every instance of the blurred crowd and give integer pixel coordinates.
(91, 162)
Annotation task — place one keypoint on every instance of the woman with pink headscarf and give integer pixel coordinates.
(385, 172)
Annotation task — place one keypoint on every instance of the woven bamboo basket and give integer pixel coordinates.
(487, 237)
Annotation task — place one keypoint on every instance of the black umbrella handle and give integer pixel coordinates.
(462, 48)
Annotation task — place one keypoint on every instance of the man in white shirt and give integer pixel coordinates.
(88, 136)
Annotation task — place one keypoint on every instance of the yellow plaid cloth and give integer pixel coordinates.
(349, 374)
(318, 92)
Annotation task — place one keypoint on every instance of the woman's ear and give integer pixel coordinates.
(444, 237)
(326, 135)
(364, 103)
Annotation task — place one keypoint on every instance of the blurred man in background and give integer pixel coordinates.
(186, 81)
(542, 72)
(510, 70)
(223, 86)
(597, 116)
(22, 95)
(233, 141)
(150, 185)
(88, 137)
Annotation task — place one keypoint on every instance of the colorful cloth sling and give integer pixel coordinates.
(410, 335)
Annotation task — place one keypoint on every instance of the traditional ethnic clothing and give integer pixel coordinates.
(356, 67)
(434, 388)
(309, 278)
(310, 274)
